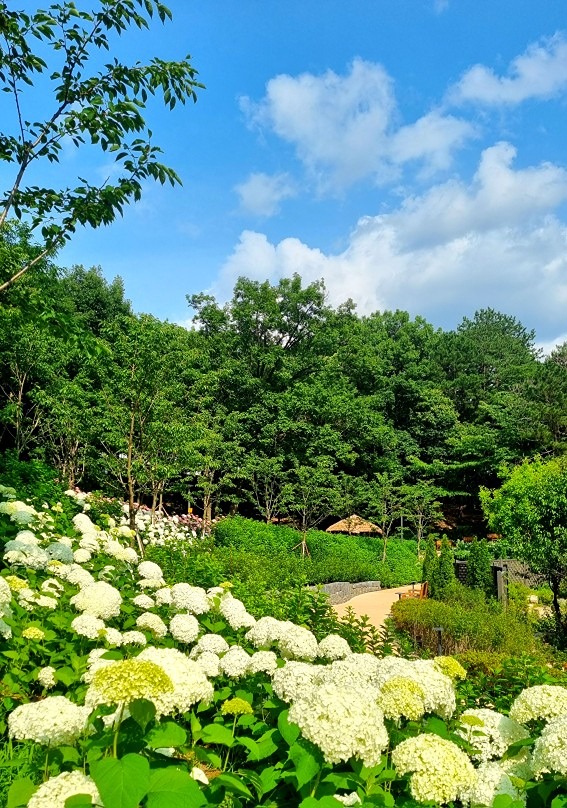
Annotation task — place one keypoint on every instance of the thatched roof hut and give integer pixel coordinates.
(354, 525)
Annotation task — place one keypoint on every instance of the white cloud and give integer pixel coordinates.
(540, 72)
(547, 347)
(456, 249)
(432, 138)
(261, 194)
(497, 197)
(345, 128)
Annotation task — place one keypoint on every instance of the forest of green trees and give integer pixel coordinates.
(274, 405)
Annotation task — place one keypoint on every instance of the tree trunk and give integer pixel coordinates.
(555, 581)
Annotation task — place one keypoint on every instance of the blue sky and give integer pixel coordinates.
(410, 152)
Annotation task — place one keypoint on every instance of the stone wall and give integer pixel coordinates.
(341, 591)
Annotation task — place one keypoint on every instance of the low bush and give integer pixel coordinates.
(494, 679)
(484, 628)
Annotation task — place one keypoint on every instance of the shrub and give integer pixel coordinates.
(430, 560)
(479, 567)
(484, 628)
(443, 580)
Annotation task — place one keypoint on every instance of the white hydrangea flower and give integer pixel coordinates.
(265, 632)
(190, 685)
(5, 592)
(187, 598)
(263, 662)
(46, 677)
(5, 629)
(27, 537)
(519, 766)
(235, 612)
(348, 799)
(401, 696)
(81, 556)
(148, 569)
(75, 574)
(134, 638)
(83, 524)
(121, 553)
(55, 791)
(113, 636)
(438, 688)
(152, 622)
(490, 732)
(294, 680)
(441, 772)
(150, 583)
(90, 543)
(27, 555)
(143, 602)
(87, 625)
(163, 596)
(51, 586)
(184, 628)
(94, 662)
(491, 782)
(209, 664)
(65, 540)
(539, 701)
(333, 647)
(215, 643)
(54, 721)
(550, 749)
(343, 722)
(100, 599)
(234, 663)
(298, 643)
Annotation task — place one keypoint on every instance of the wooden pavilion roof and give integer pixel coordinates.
(354, 525)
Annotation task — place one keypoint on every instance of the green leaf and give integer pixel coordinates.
(20, 792)
(65, 675)
(288, 731)
(557, 802)
(233, 784)
(79, 801)
(143, 712)
(324, 802)
(217, 733)
(174, 788)
(168, 734)
(307, 759)
(122, 783)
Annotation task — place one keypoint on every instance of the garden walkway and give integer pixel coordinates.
(376, 605)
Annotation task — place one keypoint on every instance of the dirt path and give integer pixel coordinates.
(376, 605)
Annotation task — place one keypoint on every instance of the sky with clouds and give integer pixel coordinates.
(412, 153)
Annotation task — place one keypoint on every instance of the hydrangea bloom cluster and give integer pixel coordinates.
(491, 781)
(490, 732)
(440, 771)
(55, 791)
(99, 599)
(190, 685)
(123, 682)
(343, 722)
(539, 701)
(55, 721)
(550, 749)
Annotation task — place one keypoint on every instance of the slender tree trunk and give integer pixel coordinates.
(555, 581)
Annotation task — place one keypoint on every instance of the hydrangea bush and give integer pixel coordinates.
(122, 690)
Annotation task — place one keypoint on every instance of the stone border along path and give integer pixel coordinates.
(375, 605)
